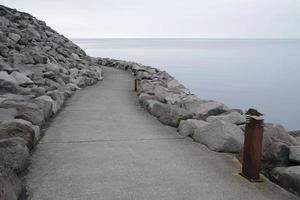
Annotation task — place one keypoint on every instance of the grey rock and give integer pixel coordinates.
(231, 117)
(45, 106)
(203, 109)
(21, 78)
(7, 114)
(20, 128)
(10, 185)
(26, 110)
(295, 133)
(220, 136)
(169, 114)
(15, 37)
(276, 143)
(294, 154)
(187, 127)
(14, 154)
(144, 97)
(8, 83)
(288, 178)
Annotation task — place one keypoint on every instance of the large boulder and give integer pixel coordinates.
(231, 117)
(276, 144)
(26, 110)
(203, 109)
(10, 185)
(187, 127)
(144, 99)
(8, 83)
(20, 128)
(169, 114)
(220, 136)
(22, 79)
(287, 177)
(14, 154)
(7, 114)
(294, 155)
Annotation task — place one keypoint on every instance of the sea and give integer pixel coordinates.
(242, 73)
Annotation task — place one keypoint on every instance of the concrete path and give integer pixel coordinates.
(103, 146)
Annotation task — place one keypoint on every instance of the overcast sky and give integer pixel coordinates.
(167, 18)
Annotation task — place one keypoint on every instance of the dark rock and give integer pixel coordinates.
(276, 144)
(294, 154)
(295, 133)
(288, 178)
(8, 82)
(10, 185)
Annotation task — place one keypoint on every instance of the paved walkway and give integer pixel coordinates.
(103, 146)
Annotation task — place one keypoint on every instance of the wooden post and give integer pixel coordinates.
(135, 85)
(252, 148)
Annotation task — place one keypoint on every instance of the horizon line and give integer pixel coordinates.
(204, 38)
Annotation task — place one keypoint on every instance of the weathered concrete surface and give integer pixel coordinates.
(104, 146)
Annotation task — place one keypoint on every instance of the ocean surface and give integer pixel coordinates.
(242, 73)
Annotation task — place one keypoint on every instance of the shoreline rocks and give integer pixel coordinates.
(39, 70)
(208, 122)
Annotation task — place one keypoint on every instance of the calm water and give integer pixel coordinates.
(241, 73)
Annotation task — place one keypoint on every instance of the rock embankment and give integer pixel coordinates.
(212, 123)
(39, 69)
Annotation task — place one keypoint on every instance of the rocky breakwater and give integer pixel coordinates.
(212, 123)
(39, 69)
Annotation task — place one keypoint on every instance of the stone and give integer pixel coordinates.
(10, 185)
(7, 83)
(14, 154)
(203, 109)
(7, 114)
(15, 37)
(295, 133)
(44, 105)
(58, 98)
(21, 79)
(72, 87)
(187, 127)
(26, 110)
(144, 97)
(220, 136)
(276, 144)
(169, 114)
(294, 154)
(231, 117)
(20, 128)
(54, 105)
(4, 76)
(287, 177)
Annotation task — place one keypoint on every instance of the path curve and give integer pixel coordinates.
(104, 146)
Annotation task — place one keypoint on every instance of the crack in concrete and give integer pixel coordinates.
(111, 140)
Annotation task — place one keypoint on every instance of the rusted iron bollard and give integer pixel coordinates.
(135, 84)
(252, 148)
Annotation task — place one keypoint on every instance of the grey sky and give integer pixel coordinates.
(167, 18)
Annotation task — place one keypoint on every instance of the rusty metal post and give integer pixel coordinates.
(135, 84)
(252, 148)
